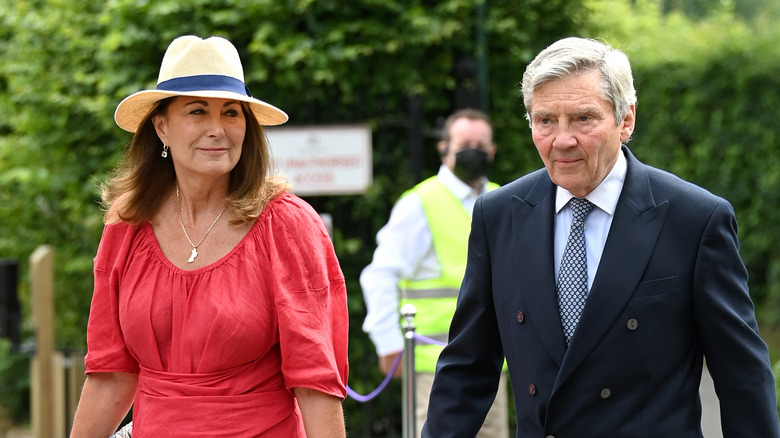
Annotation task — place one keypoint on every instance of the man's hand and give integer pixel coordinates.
(385, 362)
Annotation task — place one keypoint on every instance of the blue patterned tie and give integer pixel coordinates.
(573, 273)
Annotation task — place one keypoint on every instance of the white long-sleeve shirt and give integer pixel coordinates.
(404, 251)
(605, 197)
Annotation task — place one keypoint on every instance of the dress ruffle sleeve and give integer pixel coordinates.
(310, 298)
(106, 348)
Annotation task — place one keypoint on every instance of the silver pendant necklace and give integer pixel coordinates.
(194, 253)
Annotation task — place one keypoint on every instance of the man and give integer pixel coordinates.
(422, 252)
(662, 282)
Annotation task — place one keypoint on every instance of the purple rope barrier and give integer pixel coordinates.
(380, 388)
(365, 398)
(427, 340)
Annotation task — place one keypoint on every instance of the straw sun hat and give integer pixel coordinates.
(196, 67)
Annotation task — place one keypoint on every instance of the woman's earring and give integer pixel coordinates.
(165, 151)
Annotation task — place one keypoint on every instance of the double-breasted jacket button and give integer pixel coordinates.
(532, 389)
(632, 324)
(606, 393)
(520, 316)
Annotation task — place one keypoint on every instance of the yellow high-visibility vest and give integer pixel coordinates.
(436, 298)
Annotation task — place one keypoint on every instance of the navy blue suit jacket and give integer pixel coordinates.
(670, 290)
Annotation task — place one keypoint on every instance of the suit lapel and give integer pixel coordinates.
(632, 237)
(534, 262)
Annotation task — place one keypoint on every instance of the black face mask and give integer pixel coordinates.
(471, 164)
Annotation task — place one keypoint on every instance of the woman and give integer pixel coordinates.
(219, 306)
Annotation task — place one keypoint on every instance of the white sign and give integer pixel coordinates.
(323, 160)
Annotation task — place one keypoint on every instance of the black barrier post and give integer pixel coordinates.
(10, 311)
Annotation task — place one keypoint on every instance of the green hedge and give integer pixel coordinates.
(713, 120)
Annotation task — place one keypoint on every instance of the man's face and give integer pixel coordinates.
(574, 130)
(467, 133)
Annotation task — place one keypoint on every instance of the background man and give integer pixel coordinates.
(604, 282)
(422, 252)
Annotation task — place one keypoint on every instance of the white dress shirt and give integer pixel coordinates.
(597, 222)
(404, 251)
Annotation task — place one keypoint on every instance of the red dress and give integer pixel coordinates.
(218, 349)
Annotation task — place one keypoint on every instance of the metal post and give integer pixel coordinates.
(415, 131)
(408, 403)
(483, 84)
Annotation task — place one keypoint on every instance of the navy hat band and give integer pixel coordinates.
(205, 82)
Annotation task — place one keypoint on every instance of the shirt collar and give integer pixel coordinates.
(605, 195)
(460, 189)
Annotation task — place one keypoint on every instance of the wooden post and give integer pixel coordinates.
(76, 380)
(42, 369)
(57, 394)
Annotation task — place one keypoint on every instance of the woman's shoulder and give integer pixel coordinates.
(289, 217)
(115, 241)
(289, 207)
(112, 215)
(298, 241)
